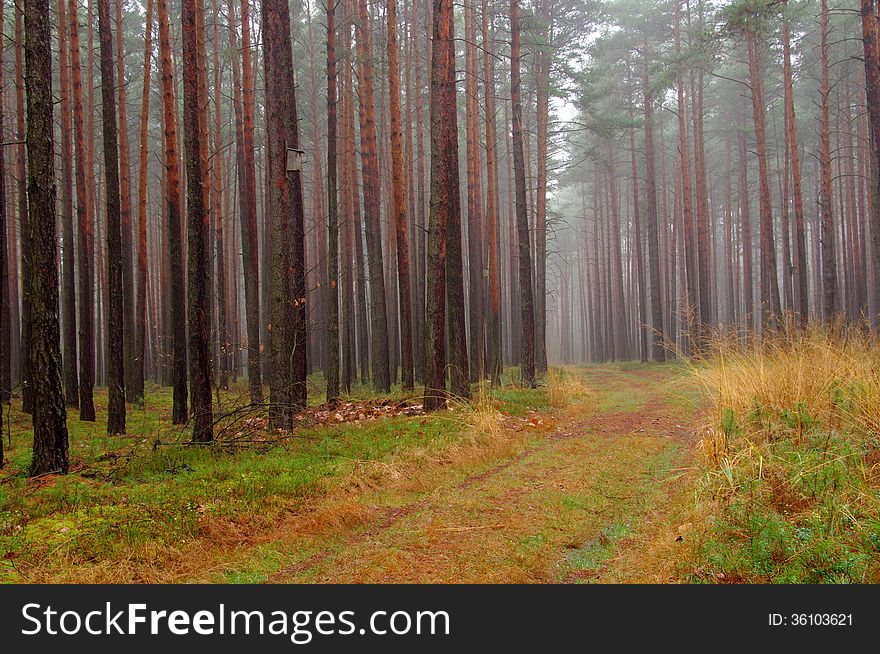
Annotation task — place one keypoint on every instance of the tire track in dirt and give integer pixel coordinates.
(493, 512)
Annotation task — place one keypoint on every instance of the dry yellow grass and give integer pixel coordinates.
(565, 387)
(832, 374)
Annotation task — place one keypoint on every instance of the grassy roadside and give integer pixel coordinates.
(789, 489)
(150, 507)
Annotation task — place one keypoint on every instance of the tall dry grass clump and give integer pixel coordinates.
(828, 376)
(790, 457)
(565, 387)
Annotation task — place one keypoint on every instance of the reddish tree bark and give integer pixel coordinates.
(399, 209)
(136, 387)
(177, 302)
(476, 283)
(527, 312)
(86, 228)
(770, 305)
(372, 191)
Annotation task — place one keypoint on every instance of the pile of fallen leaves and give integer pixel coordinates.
(356, 412)
(255, 429)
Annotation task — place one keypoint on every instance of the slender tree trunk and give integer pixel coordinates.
(332, 215)
(420, 218)
(249, 233)
(542, 95)
(692, 306)
(657, 331)
(224, 317)
(68, 264)
(130, 332)
(5, 276)
(830, 303)
(493, 328)
(872, 92)
(801, 297)
(27, 398)
(86, 228)
(372, 192)
(197, 232)
(399, 209)
(637, 248)
(115, 315)
(476, 284)
(136, 390)
(177, 298)
(527, 311)
(746, 228)
(49, 414)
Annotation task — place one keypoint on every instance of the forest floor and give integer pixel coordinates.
(586, 488)
(597, 487)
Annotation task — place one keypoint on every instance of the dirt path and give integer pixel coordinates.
(581, 501)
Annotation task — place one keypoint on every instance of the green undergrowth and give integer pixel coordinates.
(792, 499)
(151, 489)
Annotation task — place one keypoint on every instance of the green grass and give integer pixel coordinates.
(127, 496)
(797, 509)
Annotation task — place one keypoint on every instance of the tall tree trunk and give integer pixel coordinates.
(692, 306)
(177, 298)
(445, 200)
(68, 264)
(493, 328)
(5, 276)
(224, 319)
(287, 385)
(746, 229)
(801, 298)
(49, 414)
(372, 191)
(27, 396)
(86, 228)
(872, 92)
(657, 331)
(249, 234)
(770, 305)
(332, 215)
(136, 390)
(399, 209)
(527, 311)
(476, 286)
(542, 106)
(830, 303)
(115, 319)
(125, 219)
(197, 232)
(420, 219)
(642, 327)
